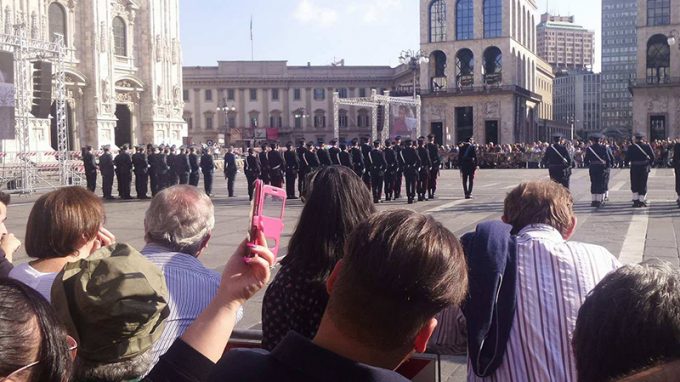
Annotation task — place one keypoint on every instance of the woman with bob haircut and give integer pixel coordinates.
(34, 347)
(336, 200)
(64, 226)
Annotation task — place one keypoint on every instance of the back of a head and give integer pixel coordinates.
(539, 202)
(29, 332)
(179, 218)
(336, 200)
(630, 321)
(400, 269)
(60, 219)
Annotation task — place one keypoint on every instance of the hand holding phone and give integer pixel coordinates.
(266, 215)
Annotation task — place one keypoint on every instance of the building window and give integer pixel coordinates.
(253, 94)
(57, 17)
(119, 37)
(275, 94)
(298, 117)
(186, 95)
(297, 94)
(493, 18)
(342, 93)
(319, 119)
(362, 92)
(208, 95)
(493, 66)
(275, 119)
(209, 121)
(658, 59)
(464, 20)
(438, 21)
(363, 118)
(658, 12)
(187, 118)
(465, 68)
(342, 118)
(231, 94)
(253, 116)
(231, 120)
(319, 94)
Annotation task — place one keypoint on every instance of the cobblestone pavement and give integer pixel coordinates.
(631, 234)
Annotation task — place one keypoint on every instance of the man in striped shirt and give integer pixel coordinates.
(178, 226)
(554, 276)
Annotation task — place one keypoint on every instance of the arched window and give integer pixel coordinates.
(658, 12)
(275, 119)
(658, 59)
(319, 119)
(254, 117)
(363, 118)
(465, 68)
(438, 67)
(342, 118)
(57, 17)
(493, 18)
(493, 66)
(119, 37)
(438, 21)
(465, 20)
(298, 117)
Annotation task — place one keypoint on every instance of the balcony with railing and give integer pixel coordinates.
(653, 82)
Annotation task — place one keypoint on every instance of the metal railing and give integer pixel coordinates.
(651, 82)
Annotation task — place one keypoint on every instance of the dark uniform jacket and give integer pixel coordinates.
(106, 164)
(637, 157)
(425, 161)
(276, 162)
(557, 155)
(89, 162)
(292, 161)
(311, 159)
(391, 160)
(377, 158)
(182, 165)
(605, 159)
(410, 159)
(207, 164)
(141, 163)
(251, 166)
(324, 157)
(193, 162)
(345, 159)
(433, 150)
(357, 159)
(467, 156)
(123, 163)
(230, 164)
(334, 153)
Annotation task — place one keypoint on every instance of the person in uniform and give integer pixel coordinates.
(366, 151)
(230, 170)
(324, 156)
(345, 157)
(264, 164)
(467, 159)
(411, 165)
(599, 160)
(358, 164)
(378, 167)
(390, 170)
(171, 160)
(425, 169)
(251, 168)
(141, 169)
(195, 175)
(153, 158)
(182, 166)
(304, 166)
(107, 169)
(399, 173)
(433, 150)
(640, 156)
(676, 168)
(123, 163)
(164, 169)
(334, 152)
(559, 161)
(311, 159)
(90, 164)
(208, 168)
(276, 166)
(292, 168)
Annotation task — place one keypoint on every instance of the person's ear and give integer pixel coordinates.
(423, 336)
(504, 219)
(330, 283)
(571, 229)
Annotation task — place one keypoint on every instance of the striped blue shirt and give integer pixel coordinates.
(191, 287)
(553, 278)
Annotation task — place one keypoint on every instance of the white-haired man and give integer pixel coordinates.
(177, 228)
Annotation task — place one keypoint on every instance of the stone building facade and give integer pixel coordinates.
(577, 100)
(564, 44)
(123, 69)
(246, 102)
(656, 89)
(482, 76)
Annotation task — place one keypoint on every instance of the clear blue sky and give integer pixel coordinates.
(319, 31)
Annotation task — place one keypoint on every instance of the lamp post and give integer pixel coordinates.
(673, 38)
(226, 108)
(413, 59)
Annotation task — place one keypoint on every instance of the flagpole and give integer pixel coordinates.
(252, 49)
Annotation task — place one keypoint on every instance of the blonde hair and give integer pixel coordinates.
(539, 202)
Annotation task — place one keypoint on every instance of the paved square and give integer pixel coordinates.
(630, 234)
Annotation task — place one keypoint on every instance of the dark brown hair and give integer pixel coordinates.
(539, 202)
(60, 220)
(400, 269)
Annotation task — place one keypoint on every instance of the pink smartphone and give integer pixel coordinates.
(266, 214)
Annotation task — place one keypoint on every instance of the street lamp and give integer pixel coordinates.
(673, 38)
(413, 59)
(224, 107)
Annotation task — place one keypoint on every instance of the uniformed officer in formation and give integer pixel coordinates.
(90, 164)
(230, 170)
(182, 166)
(304, 166)
(323, 155)
(252, 171)
(194, 165)
(391, 170)
(640, 156)
(425, 169)
(676, 169)
(433, 151)
(264, 164)
(358, 164)
(292, 168)
(559, 161)
(467, 159)
(107, 169)
(411, 166)
(334, 152)
(276, 166)
(399, 173)
(123, 164)
(141, 169)
(599, 160)
(208, 168)
(365, 151)
(345, 157)
(172, 177)
(377, 167)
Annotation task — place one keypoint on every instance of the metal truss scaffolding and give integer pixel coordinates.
(373, 102)
(26, 51)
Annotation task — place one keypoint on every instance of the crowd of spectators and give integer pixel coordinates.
(530, 155)
(357, 294)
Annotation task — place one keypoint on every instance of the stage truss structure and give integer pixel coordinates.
(373, 102)
(26, 51)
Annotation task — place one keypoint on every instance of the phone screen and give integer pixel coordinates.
(273, 206)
